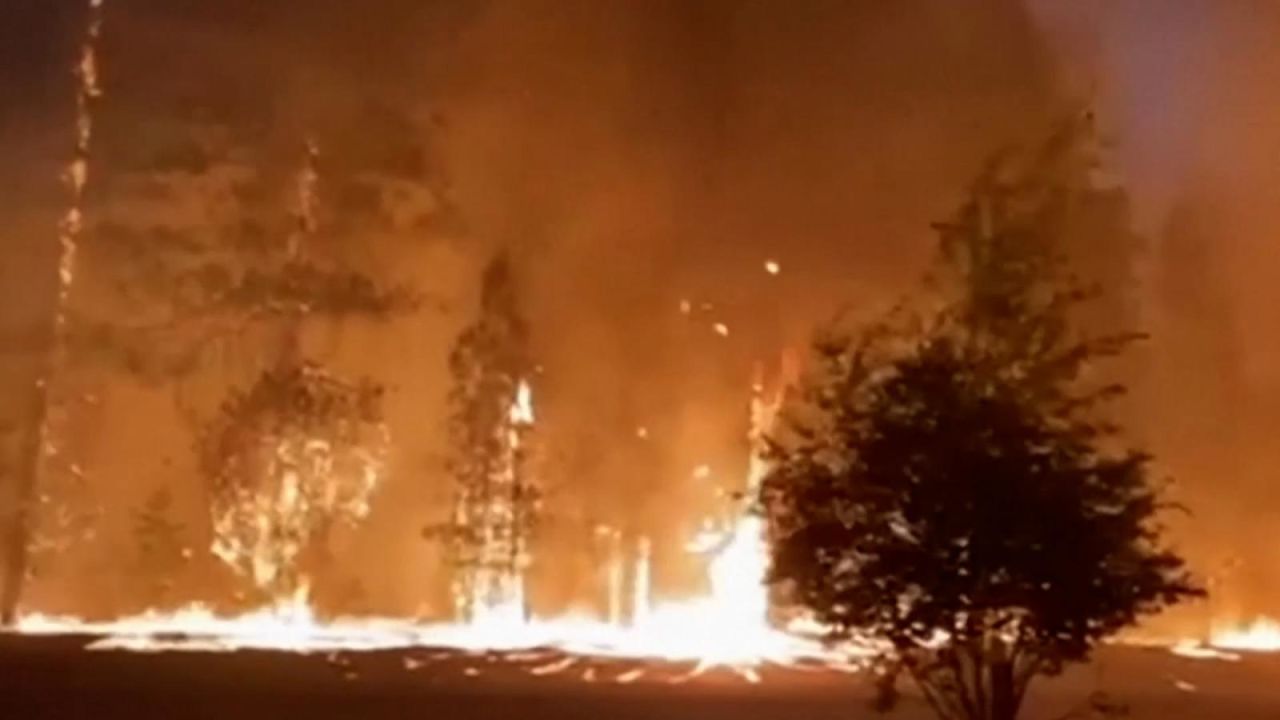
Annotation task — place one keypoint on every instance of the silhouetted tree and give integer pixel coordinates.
(495, 502)
(948, 483)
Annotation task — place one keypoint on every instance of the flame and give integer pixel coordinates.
(522, 407)
(262, 530)
(1226, 641)
(490, 593)
(730, 626)
(1261, 635)
(727, 628)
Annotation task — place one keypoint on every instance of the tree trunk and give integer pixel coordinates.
(17, 535)
(1004, 698)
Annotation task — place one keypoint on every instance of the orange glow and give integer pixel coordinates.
(726, 628)
(1261, 635)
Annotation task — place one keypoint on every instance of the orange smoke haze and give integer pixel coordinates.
(686, 187)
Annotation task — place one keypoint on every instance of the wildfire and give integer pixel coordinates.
(1261, 635)
(731, 625)
(1228, 641)
(728, 628)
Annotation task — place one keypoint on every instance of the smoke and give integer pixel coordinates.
(641, 160)
(649, 157)
(1191, 91)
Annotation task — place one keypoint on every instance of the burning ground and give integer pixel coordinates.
(545, 683)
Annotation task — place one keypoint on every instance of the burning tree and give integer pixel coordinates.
(949, 483)
(40, 447)
(297, 450)
(289, 458)
(495, 501)
(300, 450)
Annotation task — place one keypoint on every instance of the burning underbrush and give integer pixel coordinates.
(730, 627)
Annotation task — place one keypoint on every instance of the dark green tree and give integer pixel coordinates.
(495, 498)
(948, 483)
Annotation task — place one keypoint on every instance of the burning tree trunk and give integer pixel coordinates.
(492, 415)
(300, 451)
(39, 445)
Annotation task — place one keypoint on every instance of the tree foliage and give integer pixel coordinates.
(948, 482)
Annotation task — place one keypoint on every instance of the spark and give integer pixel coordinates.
(772, 267)
(721, 329)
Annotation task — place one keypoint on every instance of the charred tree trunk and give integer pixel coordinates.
(1004, 697)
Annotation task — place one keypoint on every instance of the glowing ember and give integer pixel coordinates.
(772, 267)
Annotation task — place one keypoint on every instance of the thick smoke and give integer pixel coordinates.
(1191, 91)
(642, 161)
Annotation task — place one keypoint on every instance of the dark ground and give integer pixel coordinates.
(53, 677)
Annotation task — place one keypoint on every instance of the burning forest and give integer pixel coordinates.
(711, 344)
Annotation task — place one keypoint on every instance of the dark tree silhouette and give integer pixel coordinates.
(948, 482)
